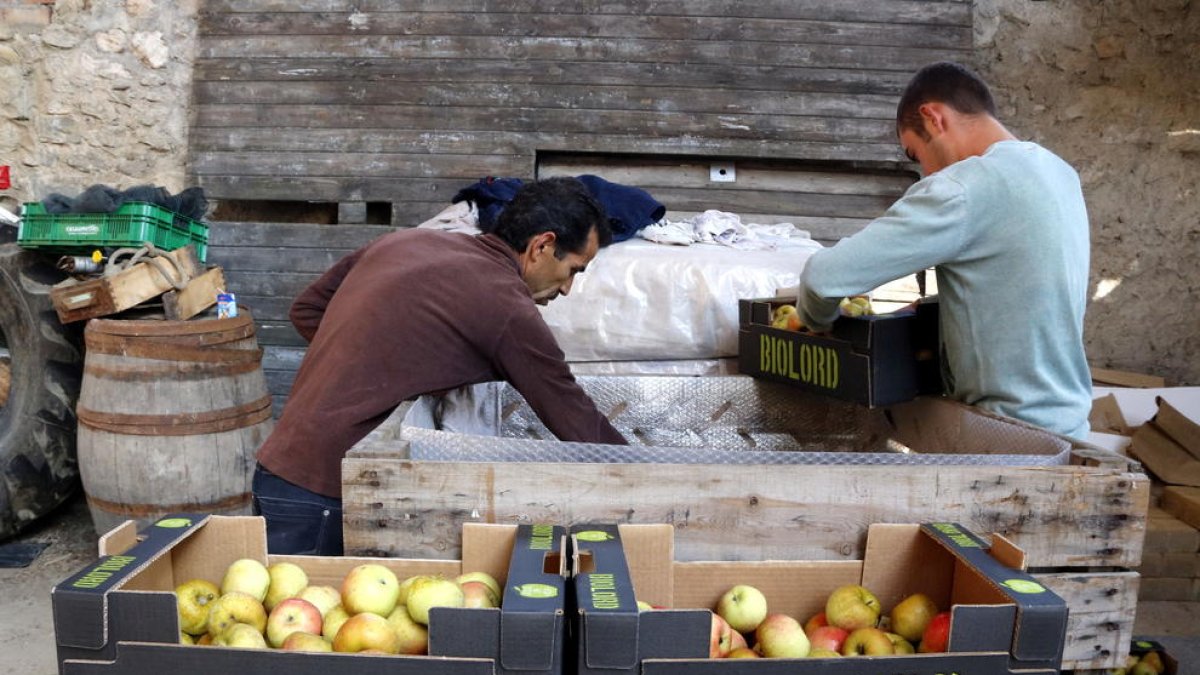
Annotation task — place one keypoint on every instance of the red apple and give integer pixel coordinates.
(780, 636)
(937, 634)
(828, 637)
(814, 622)
(722, 638)
(292, 615)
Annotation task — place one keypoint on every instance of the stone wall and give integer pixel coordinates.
(96, 92)
(1114, 88)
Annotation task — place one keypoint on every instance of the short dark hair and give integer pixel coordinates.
(943, 82)
(561, 205)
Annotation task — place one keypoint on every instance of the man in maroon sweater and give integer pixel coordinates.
(420, 311)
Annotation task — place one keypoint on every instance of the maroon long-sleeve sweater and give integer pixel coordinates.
(413, 312)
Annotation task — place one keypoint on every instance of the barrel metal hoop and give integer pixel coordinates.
(150, 510)
(178, 424)
(120, 346)
(142, 328)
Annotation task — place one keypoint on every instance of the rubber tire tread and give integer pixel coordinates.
(38, 467)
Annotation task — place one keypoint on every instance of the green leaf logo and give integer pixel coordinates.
(1025, 586)
(173, 522)
(593, 535)
(536, 591)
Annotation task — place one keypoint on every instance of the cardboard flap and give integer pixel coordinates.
(80, 603)
(534, 599)
(604, 594)
(1164, 457)
(1041, 615)
(1178, 426)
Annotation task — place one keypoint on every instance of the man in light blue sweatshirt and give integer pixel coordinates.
(1004, 223)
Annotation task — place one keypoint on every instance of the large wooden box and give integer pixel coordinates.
(1081, 524)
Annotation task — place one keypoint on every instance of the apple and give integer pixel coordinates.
(324, 597)
(744, 607)
(814, 622)
(823, 654)
(937, 634)
(371, 588)
(827, 637)
(786, 317)
(242, 636)
(911, 615)
(1143, 668)
(486, 578)
(743, 653)
(248, 576)
(235, 607)
(1155, 661)
(333, 620)
(185, 639)
(429, 592)
(287, 580)
(721, 638)
(193, 599)
(363, 631)
(205, 639)
(411, 637)
(644, 606)
(852, 607)
(305, 642)
(478, 594)
(402, 599)
(867, 641)
(737, 641)
(289, 616)
(900, 645)
(781, 636)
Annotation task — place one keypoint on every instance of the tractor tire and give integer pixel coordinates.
(38, 469)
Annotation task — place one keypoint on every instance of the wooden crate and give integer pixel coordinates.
(1081, 525)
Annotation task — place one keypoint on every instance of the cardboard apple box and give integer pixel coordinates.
(1002, 620)
(119, 615)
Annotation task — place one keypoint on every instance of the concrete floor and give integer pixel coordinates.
(27, 627)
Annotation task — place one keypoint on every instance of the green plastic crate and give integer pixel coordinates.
(130, 225)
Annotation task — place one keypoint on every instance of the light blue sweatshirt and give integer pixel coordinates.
(1008, 234)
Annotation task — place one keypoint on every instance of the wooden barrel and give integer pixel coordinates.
(171, 416)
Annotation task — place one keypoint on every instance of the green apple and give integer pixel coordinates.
(366, 631)
(247, 576)
(744, 607)
(193, 599)
(371, 588)
(287, 580)
(900, 645)
(412, 637)
(429, 592)
(235, 607)
(779, 636)
(852, 607)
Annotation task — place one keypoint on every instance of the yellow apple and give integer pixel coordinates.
(411, 637)
(912, 615)
(193, 599)
(786, 317)
(823, 654)
(287, 580)
(371, 588)
(743, 653)
(185, 639)
(305, 642)
(324, 597)
(900, 645)
(429, 592)
(247, 576)
(242, 636)
(235, 607)
(852, 607)
(486, 578)
(334, 619)
(868, 642)
(781, 636)
(366, 631)
(477, 594)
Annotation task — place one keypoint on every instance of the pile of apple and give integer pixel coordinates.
(259, 607)
(1150, 663)
(852, 624)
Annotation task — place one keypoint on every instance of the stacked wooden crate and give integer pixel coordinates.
(1171, 556)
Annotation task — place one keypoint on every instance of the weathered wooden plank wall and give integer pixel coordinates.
(406, 101)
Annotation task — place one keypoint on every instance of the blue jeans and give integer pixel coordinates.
(299, 522)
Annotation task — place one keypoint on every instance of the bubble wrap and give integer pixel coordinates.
(700, 420)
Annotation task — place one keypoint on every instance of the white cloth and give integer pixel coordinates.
(727, 229)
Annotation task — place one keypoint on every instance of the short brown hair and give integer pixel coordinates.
(944, 82)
